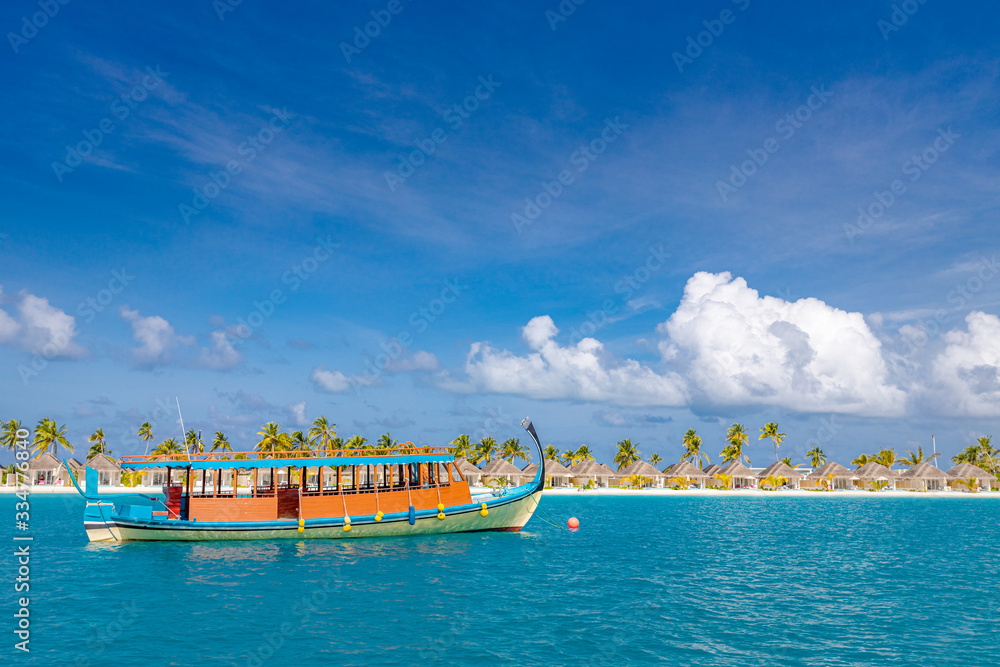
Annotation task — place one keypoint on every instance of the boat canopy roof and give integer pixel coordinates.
(402, 454)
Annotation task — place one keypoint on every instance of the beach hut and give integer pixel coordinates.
(557, 475)
(964, 470)
(586, 471)
(742, 476)
(875, 472)
(501, 469)
(109, 473)
(842, 478)
(471, 473)
(924, 477)
(655, 477)
(685, 469)
(45, 469)
(712, 468)
(781, 469)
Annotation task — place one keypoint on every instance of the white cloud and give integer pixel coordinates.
(222, 356)
(157, 339)
(298, 413)
(418, 361)
(966, 374)
(336, 382)
(739, 348)
(582, 372)
(41, 328)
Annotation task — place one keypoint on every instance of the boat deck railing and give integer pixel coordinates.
(404, 449)
(268, 491)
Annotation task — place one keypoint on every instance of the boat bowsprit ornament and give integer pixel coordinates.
(402, 490)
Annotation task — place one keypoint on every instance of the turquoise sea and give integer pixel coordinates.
(646, 580)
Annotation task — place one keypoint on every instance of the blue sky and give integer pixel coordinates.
(705, 259)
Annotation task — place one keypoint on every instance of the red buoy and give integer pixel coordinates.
(573, 523)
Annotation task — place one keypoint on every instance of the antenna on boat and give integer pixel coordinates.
(183, 432)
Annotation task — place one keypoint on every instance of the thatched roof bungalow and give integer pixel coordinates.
(689, 471)
(875, 472)
(46, 469)
(965, 470)
(742, 476)
(109, 473)
(781, 469)
(471, 473)
(655, 477)
(556, 473)
(586, 471)
(830, 473)
(501, 468)
(924, 477)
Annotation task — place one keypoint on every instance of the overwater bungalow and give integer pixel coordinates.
(924, 477)
(964, 470)
(655, 477)
(873, 472)
(742, 476)
(781, 469)
(837, 476)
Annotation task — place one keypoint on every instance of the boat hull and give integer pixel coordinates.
(509, 513)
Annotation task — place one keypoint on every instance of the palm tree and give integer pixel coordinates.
(568, 457)
(271, 439)
(654, 458)
(774, 481)
(971, 483)
(583, 453)
(221, 443)
(9, 437)
(628, 453)
(194, 442)
(878, 484)
(788, 462)
(887, 457)
(298, 441)
(862, 459)
(463, 447)
(355, 442)
(385, 441)
(168, 447)
(551, 453)
(693, 451)
(815, 456)
(512, 448)
(485, 450)
(914, 458)
(737, 438)
(97, 444)
(636, 481)
(322, 431)
(726, 479)
(146, 434)
(770, 430)
(48, 434)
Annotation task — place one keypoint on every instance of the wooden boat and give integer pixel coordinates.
(405, 490)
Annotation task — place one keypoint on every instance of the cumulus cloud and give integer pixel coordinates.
(739, 348)
(418, 361)
(221, 356)
(582, 372)
(335, 382)
(40, 328)
(966, 374)
(156, 338)
(297, 411)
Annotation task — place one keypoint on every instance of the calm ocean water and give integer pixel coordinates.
(677, 581)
